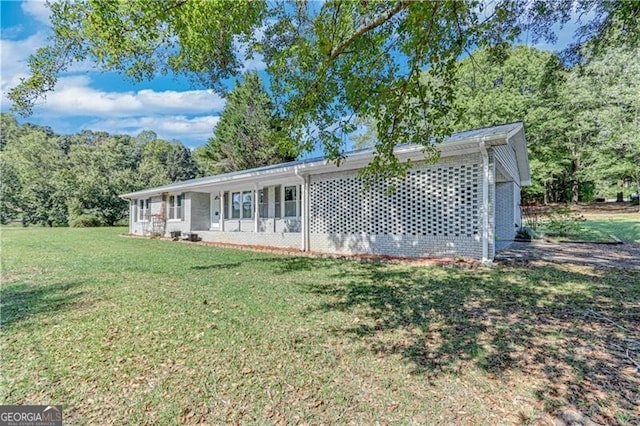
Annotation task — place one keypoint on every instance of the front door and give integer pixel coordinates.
(215, 212)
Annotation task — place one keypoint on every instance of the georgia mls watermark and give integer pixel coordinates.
(30, 415)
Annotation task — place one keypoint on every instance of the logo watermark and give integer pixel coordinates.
(30, 415)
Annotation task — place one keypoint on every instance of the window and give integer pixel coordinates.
(241, 205)
(176, 207)
(290, 201)
(143, 210)
(277, 201)
(263, 200)
(246, 205)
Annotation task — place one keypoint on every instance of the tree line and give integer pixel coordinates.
(61, 180)
(582, 122)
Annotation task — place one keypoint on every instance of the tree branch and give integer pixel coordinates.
(368, 27)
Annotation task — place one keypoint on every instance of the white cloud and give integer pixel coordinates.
(74, 96)
(191, 131)
(14, 56)
(38, 10)
(254, 63)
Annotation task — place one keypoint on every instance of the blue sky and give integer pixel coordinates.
(86, 98)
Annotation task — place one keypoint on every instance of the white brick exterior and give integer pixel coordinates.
(289, 240)
(434, 212)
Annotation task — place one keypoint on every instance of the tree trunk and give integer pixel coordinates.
(638, 192)
(575, 183)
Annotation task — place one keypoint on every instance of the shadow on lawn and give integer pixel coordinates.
(215, 266)
(19, 301)
(546, 322)
(285, 265)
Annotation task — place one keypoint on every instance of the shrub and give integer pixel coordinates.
(85, 221)
(562, 222)
(527, 234)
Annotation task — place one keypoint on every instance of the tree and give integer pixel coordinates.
(525, 84)
(96, 176)
(10, 189)
(605, 93)
(247, 135)
(327, 62)
(39, 166)
(181, 165)
(162, 162)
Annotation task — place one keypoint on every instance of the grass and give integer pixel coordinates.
(624, 226)
(124, 330)
(599, 227)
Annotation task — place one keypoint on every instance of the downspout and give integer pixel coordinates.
(485, 203)
(304, 217)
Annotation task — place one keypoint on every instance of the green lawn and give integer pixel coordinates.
(625, 227)
(126, 330)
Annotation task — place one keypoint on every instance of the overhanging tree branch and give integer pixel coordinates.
(336, 51)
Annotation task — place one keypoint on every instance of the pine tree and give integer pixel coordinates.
(247, 134)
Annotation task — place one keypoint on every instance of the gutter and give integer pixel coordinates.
(485, 203)
(304, 203)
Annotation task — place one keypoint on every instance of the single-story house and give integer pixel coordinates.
(465, 205)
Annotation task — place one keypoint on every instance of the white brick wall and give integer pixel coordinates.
(434, 211)
(267, 239)
(492, 204)
(505, 220)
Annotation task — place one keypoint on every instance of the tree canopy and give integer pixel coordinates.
(327, 62)
(248, 134)
(59, 180)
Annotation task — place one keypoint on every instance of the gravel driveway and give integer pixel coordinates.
(624, 256)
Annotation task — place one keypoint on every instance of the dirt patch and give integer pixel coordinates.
(604, 208)
(622, 256)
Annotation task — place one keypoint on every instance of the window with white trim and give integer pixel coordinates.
(290, 201)
(242, 205)
(143, 209)
(276, 197)
(176, 207)
(263, 202)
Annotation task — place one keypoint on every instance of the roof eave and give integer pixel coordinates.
(355, 160)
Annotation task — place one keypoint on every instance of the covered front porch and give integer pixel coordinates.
(269, 213)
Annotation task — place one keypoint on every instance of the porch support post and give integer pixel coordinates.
(222, 212)
(305, 213)
(485, 204)
(255, 209)
(304, 210)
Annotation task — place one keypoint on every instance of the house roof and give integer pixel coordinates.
(460, 142)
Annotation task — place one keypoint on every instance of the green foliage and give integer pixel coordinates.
(56, 180)
(247, 135)
(10, 189)
(562, 222)
(581, 123)
(522, 85)
(605, 92)
(85, 221)
(526, 233)
(327, 63)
